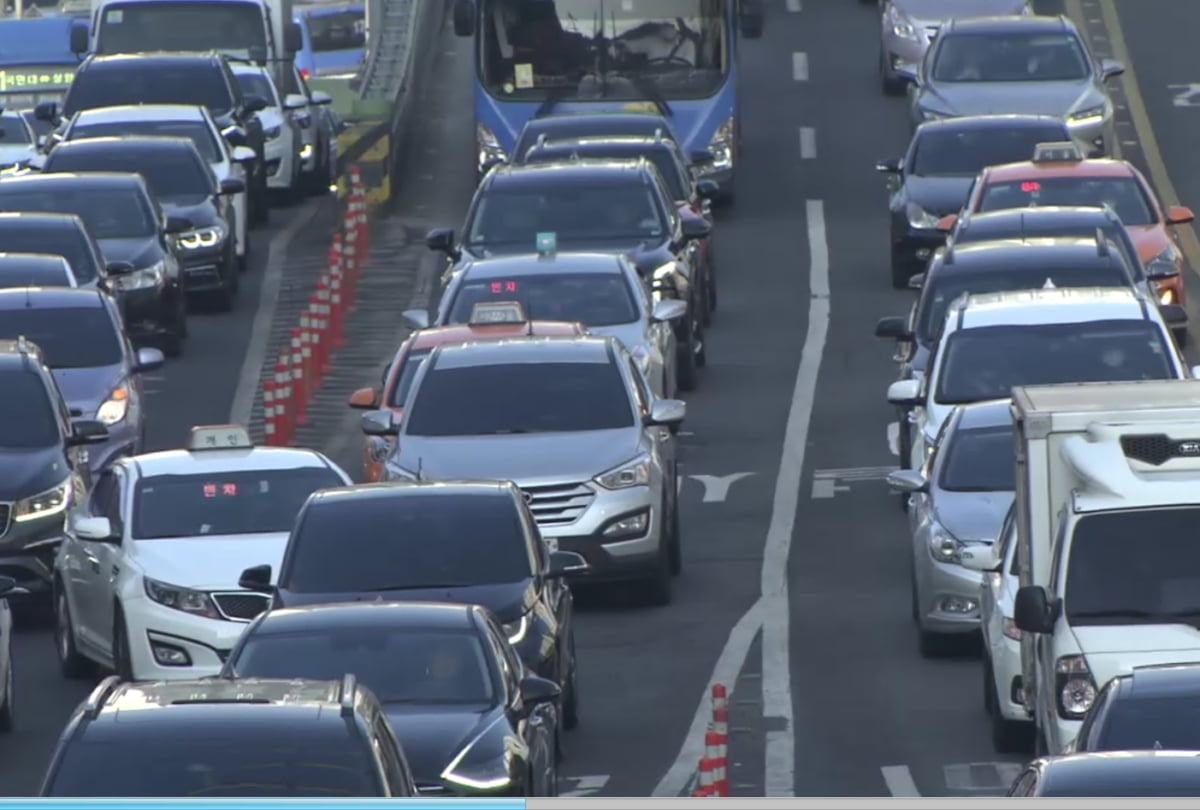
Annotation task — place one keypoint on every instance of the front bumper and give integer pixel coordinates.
(947, 596)
(205, 269)
(280, 158)
(206, 642)
(1006, 669)
(149, 312)
(611, 559)
(913, 246)
(124, 439)
(28, 549)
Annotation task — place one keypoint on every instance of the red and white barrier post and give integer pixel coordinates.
(338, 301)
(323, 320)
(704, 785)
(300, 382)
(283, 401)
(268, 400)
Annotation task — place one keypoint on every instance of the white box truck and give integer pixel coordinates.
(1108, 513)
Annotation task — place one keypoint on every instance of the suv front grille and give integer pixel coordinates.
(5, 517)
(558, 504)
(241, 607)
(1158, 448)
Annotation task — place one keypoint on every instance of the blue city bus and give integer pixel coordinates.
(36, 63)
(676, 58)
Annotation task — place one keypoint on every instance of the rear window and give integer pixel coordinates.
(410, 541)
(198, 132)
(202, 84)
(26, 415)
(21, 273)
(172, 174)
(583, 212)
(70, 243)
(339, 31)
(408, 372)
(661, 158)
(592, 299)
(71, 337)
(1144, 724)
(109, 213)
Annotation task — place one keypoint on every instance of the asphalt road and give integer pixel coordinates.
(795, 586)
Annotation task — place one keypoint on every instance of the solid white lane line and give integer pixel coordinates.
(793, 6)
(780, 756)
(899, 781)
(808, 143)
(800, 66)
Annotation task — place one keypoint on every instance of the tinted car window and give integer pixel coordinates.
(516, 216)
(72, 337)
(406, 542)
(965, 152)
(1014, 57)
(408, 372)
(70, 243)
(663, 160)
(338, 31)
(109, 213)
(201, 84)
(198, 132)
(1035, 228)
(171, 174)
(192, 26)
(247, 502)
(592, 299)
(14, 131)
(399, 665)
(522, 398)
(1144, 724)
(26, 415)
(15, 273)
(256, 84)
(1122, 194)
(979, 460)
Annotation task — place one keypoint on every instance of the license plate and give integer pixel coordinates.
(551, 543)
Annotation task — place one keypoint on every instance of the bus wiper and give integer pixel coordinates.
(650, 91)
(553, 96)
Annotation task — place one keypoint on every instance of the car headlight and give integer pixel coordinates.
(944, 548)
(378, 448)
(1097, 112)
(1074, 686)
(142, 279)
(197, 603)
(516, 630)
(476, 770)
(918, 217)
(488, 146)
(721, 145)
(116, 406)
(208, 237)
(1166, 262)
(271, 133)
(641, 356)
(44, 504)
(633, 473)
(901, 25)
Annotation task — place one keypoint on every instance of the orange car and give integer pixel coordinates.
(413, 351)
(1059, 175)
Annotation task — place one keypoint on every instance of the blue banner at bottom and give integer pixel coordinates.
(416, 803)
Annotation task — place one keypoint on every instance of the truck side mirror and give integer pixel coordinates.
(1033, 612)
(79, 39)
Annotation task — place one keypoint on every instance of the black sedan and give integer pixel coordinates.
(470, 718)
(1154, 707)
(934, 177)
(1127, 774)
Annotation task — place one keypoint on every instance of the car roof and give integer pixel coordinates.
(200, 462)
(980, 415)
(140, 143)
(30, 219)
(587, 349)
(1010, 24)
(1098, 772)
(416, 615)
(1021, 251)
(1013, 219)
(1090, 167)
(462, 333)
(50, 260)
(1046, 306)
(556, 173)
(1170, 680)
(151, 59)
(50, 298)
(993, 121)
(532, 264)
(410, 489)
(143, 112)
(76, 179)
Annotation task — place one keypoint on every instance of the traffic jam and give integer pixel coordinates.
(258, 621)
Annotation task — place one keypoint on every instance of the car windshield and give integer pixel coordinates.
(71, 337)
(521, 398)
(26, 415)
(175, 175)
(627, 50)
(13, 131)
(22, 273)
(256, 84)
(225, 503)
(408, 372)
(1014, 57)
(109, 213)
(592, 299)
(400, 665)
(943, 289)
(987, 362)
(662, 159)
(198, 132)
(341, 30)
(114, 85)
(1122, 194)
(508, 217)
(409, 541)
(1160, 584)
(1035, 228)
(70, 243)
(208, 765)
(979, 460)
(236, 29)
(945, 152)
(1145, 724)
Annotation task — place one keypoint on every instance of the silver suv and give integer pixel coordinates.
(571, 421)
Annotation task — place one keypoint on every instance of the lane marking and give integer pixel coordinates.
(800, 66)
(977, 777)
(249, 379)
(856, 473)
(584, 785)
(827, 488)
(899, 781)
(716, 487)
(793, 6)
(808, 143)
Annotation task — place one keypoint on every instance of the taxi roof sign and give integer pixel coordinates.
(219, 437)
(1057, 152)
(546, 242)
(488, 313)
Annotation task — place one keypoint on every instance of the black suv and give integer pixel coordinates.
(229, 738)
(43, 467)
(470, 542)
(204, 79)
(184, 186)
(617, 206)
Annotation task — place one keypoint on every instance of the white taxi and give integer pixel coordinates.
(145, 581)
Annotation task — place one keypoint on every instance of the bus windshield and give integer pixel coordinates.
(235, 29)
(635, 50)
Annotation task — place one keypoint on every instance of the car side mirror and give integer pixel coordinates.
(1173, 314)
(78, 39)
(441, 240)
(1111, 68)
(364, 399)
(916, 281)
(379, 423)
(256, 578)
(1033, 612)
(320, 98)
(667, 413)
(232, 185)
(946, 224)
(891, 166)
(669, 309)
(981, 557)
(708, 189)
(148, 359)
(1195, 370)
(909, 481)
(293, 40)
(87, 431)
(905, 393)
(7, 586)
(255, 103)
(694, 227)
(563, 563)
(416, 318)
(234, 136)
(464, 18)
(243, 154)
(536, 691)
(1179, 215)
(751, 18)
(118, 268)
(894, 327)
(96, 529)
(47, 111)
(176, 224)
(702, 157)
(295, 101)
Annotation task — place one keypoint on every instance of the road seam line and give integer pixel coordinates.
(808, 143)
(800, 66)
(793, 6)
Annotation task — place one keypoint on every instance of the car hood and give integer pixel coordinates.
(28, 472)
(972, 517)
(432, 736)
(200, 211)
(938, 195)
(988, 98)
(524, 458)
(140, 252)
(1113, 650)
(936, 11)
(86, 389)
(209, 563)
(1150, 240)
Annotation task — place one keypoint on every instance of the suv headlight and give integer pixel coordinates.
(142, 279)
(1074, 686)
(208, 237)
(633, 473)
(44, 504)
(1166, 262)
(944, 548)
(721, 145)
(488, 145)
(517, 630)
(1097, 112)
(197, 603)
(116, 406)
(476, 771)
(918, 217)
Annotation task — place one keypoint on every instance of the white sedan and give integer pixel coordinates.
(18, 144)
(281, 130)
(176, 120)
(146, 580)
